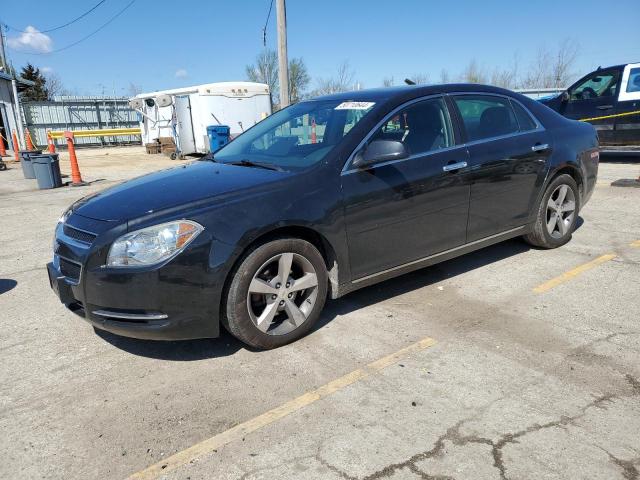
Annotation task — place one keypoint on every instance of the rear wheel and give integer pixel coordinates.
(557, 214)
(276, 294)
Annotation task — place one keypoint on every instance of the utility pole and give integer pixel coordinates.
(283, 61)
(3, 59)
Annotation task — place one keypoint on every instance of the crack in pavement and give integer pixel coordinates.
(453, 435)
(629, 470)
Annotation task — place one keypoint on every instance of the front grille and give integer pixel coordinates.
(80, 235)
(70, 270)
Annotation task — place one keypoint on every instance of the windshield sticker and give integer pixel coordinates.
(355, 106)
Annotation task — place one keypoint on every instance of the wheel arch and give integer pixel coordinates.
(573, 171)
(309, 234)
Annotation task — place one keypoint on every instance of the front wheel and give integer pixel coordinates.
(276, 294)
(557, 214)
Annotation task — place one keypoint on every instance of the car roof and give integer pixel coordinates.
(411, 91)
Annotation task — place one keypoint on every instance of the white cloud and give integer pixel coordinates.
(46, 69)
(181, 73)
(31, 39)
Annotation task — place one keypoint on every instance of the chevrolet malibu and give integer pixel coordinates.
(319, 199)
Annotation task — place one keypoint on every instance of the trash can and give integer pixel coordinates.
(218, 136)
(25, 162)
(47, 170)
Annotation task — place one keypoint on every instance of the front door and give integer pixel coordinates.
(404, 210)
(627, 131)
(508, 151)
(594, 97)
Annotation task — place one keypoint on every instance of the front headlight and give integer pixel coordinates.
(152, 245)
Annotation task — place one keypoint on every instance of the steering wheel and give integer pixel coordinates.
(588, 92)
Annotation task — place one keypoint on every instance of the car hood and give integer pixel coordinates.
(171, 188)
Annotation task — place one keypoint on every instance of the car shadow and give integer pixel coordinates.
(420, 279)
(178, 350)
(7, 284)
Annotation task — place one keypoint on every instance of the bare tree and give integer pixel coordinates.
(420, 78)
(444, 76)
(506, 77)
(298, 79)
(388, 81)
(564, 61)
(342, 82)
(473, 73)
(134, 89)
(552, 69)
(54, 84)
(265, 70)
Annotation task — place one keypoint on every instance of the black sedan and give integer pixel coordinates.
(319, 199)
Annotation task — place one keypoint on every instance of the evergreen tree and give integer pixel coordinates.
(37, 92)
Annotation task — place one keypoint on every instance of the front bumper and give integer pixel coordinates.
(176, 301)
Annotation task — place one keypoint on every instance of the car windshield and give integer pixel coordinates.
(298, 136)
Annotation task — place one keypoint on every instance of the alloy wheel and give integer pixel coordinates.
(561, 209)
(282, 293)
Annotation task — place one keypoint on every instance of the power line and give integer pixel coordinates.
(264, 30)
(64, 25)
(85, 37)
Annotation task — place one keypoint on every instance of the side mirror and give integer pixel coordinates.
(564, 96)
(380, 151)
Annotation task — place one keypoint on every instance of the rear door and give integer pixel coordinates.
(508, 151)
(404, 210)
(627, 127)
(593, 99)
(184, 125)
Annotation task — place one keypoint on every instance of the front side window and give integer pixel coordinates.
(633, 85)
(297, 136)
(422, 127)
(486, 116)
(600, 84)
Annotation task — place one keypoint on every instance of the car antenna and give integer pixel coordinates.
(408, 81)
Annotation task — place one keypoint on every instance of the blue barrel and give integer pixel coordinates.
(47, 170)
(25, 162)
(218, 136)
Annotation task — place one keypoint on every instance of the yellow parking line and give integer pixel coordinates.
(554, 282)
(240, 431)
(635, 244)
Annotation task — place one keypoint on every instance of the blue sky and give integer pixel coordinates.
(165, 44)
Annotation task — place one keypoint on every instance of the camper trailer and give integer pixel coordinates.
(184, 114)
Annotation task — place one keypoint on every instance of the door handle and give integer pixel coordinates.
(454, 166)
(539, 147)
(604, 107)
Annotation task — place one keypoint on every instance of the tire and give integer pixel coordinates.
(257, 294)
(547, 233)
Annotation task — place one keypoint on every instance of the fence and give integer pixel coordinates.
(537, 93)
(81, 113)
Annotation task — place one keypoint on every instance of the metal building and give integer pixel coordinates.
(80, 113)
(9, 110)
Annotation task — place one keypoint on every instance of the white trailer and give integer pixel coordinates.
(185, 113)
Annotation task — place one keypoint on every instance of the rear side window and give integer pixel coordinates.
(486, 116)
(633, 85)
(525, 122)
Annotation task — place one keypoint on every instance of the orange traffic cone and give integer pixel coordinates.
(27, 136)
(16, 147)
(76, 178)
(3, 149)
(51, 144)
